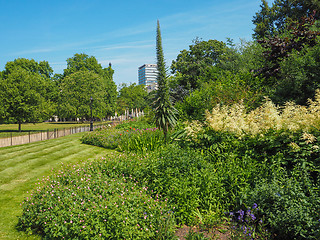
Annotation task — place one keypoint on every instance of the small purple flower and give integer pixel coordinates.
(254, 206)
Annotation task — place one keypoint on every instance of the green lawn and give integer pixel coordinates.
(7, 129)
(21, 166)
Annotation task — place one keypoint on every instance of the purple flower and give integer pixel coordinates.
(254, 206)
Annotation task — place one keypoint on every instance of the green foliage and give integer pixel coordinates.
(76, 91)
(227, 89)
(271, 21)
(25, 96)
(195, 236)
(248, 224)
(42, 68)
(91, 201)
(142, 141)
(300, 76)
(131, 97)
(278, 170)
(193, 63)
(82, 62)
(139, 123)
(291, 206)
(105, 138)
(126, 139)
(278, 48)
(83, 78)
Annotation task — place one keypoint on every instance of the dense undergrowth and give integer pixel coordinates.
(266, 184)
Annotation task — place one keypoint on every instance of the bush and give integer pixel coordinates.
(93, 202)
(291, 207)
(190, 180)
(131, 139)
(135, 123)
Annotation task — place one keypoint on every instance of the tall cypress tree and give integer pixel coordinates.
(165, 113)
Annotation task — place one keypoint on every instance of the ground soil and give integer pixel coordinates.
(219, 233)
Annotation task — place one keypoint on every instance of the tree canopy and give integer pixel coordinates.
(24, 96)
(83, 78)
(191, 64)
(131, 97)
(271, 21)
(76, 91)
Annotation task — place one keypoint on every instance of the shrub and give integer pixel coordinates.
(132, 139)
(107, 138)
(190, 180)
(135, 123)
(93, 202)
(144, 140)
(248, 224)
(291, 207)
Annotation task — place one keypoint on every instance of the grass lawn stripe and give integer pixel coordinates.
(23, 165)
(23, 157)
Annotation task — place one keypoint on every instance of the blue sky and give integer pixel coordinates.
(122, 32)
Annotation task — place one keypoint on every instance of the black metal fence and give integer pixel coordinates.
(32, 136)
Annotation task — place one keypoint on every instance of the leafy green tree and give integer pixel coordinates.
(227, 88)
(110, 90)
(42, 68)
(131, 97)
(191, 64)
(245, 57)
(81, 62)
(164, 112)
(278, 48)
(76, 91)
(24, 96)
(270, 21)
(300, 75)
(86, 66)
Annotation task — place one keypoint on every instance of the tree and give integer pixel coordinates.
(42, 68)
(271, 21)
(165, 113)
(76, 91)
(278, 48)
(191, 64)
(300, 76)
(81, 62)
(131, 97)
(24, 96)
(89, 68)
(110, 90)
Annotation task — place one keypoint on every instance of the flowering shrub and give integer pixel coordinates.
(248, 224)
(107, 138)
(132, 139)
(93, 202)
(237, 120)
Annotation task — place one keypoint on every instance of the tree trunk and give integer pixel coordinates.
(19, 129)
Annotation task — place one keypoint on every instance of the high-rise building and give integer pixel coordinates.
(148, 76)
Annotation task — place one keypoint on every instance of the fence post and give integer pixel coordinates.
(29, 136)
(11, 138)
(47, 134)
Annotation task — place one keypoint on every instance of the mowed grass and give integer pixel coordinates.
(7, 129)
(21, 166)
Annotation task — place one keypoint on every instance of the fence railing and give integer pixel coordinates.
(41, 135)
